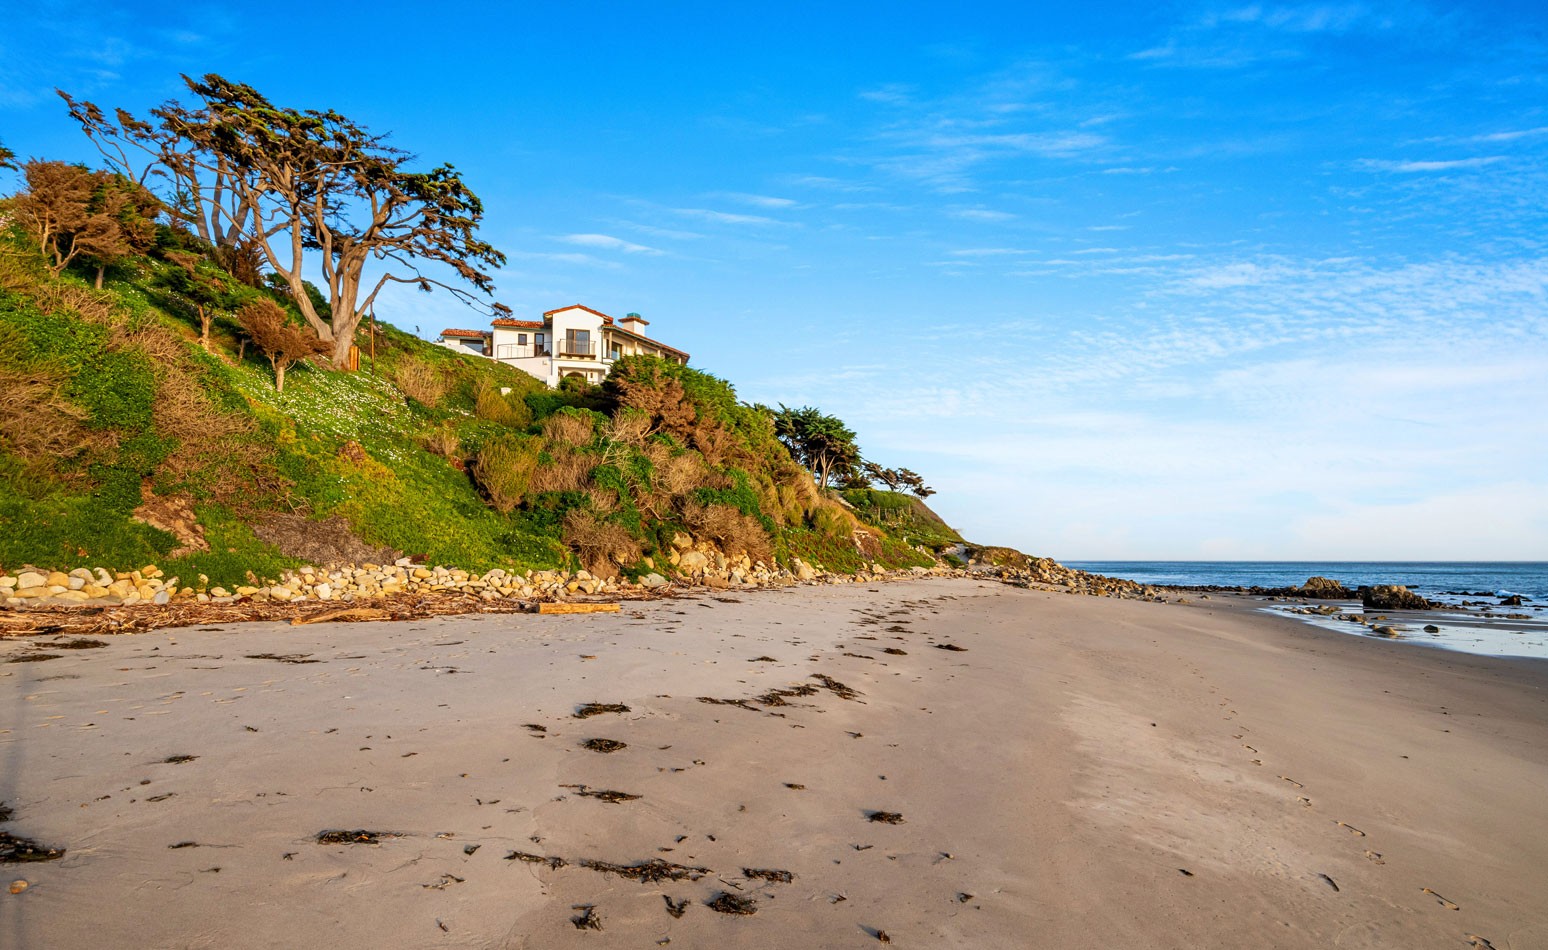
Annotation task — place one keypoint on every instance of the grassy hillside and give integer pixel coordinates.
(125, 441)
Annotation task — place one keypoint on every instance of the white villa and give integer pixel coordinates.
(574, 341)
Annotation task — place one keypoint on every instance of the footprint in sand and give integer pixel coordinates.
(1444, 902)
(1350, 828)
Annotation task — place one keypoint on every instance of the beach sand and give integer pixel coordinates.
(1080, 772)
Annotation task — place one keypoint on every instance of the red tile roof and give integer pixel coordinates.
(522, 324)
(469, 334)
(645, 339)
(577, 306)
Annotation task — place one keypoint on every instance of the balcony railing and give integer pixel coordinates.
(516, 351)
(573, 349)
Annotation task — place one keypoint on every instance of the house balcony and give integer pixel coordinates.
(518, 351)
(569, 349)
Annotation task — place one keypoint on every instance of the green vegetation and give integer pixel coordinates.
(165, 403)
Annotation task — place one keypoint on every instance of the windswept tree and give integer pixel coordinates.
(199, 186)
(308, 185)
(820, 442)
(283, 342)
(7, 157)
(897, 479)
(207, 293)
(78, 213)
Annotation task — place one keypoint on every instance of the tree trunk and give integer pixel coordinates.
(101, 269)
(204, 329)
(343, 338)
(279, 376)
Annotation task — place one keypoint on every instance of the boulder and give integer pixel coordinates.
(652, 581)
(1324, 588)
(1392, 597)
(692, 561)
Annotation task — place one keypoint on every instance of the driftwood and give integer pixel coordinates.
(141, 618)
(557, 608)
(351, 614)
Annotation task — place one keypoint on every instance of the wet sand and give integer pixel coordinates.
(1079, 772)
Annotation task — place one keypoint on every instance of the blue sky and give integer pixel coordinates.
(1189, 280)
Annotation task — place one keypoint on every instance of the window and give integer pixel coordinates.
(576, 343)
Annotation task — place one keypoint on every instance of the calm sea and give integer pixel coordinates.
(1430, 578)
(1483, 627)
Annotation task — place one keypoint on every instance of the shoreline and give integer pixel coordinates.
(1063, 769)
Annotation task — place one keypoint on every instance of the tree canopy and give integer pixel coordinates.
(78, 213)
(294, 186)
(819, 441)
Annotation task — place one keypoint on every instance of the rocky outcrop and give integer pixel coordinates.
(1391, 597)
(1324, 588)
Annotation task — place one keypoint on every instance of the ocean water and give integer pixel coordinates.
(1473, 620)
(1430, 578)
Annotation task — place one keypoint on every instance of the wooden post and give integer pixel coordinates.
(373, 341)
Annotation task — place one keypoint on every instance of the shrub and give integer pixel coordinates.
(602, 546)
(493, 406)
(420, 381)
(504, 468)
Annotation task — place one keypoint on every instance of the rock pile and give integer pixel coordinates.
(1046, 572)
(366, 582)
(1391, 597)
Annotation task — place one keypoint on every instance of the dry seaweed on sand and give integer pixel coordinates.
(79, 643)
(739, 703)
(605, 794)
(178, 759)
(587, 919)
(17, 850)
(771, 875)
(835, 687)
(950, 646)
(284, 657)
(604, 745)
(894, 651)
(358, 836)
(728, 903)
(587, 710)
(554, 862)
(534, 727)
(33, 657)
(885, 817)
(675, 908)
(648, 872)
(776, 697)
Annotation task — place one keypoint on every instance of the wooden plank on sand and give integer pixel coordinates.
(546, 608)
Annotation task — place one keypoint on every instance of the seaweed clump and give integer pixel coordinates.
(17, 850)
(587, 919)
(358, 836)
(554, 862)
(885, 817)
(728, 903)
(605, 794)
(835, 687)
(648, 872)
(596, 709)
(604, 745)
(769, 874)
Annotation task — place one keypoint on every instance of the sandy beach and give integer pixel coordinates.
(943, 763)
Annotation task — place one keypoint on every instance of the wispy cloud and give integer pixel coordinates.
(608, 242)
(761, 201)
(1445, 165)
(585, 260)
(726, 217)
(1510, 136)
(980, 214)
